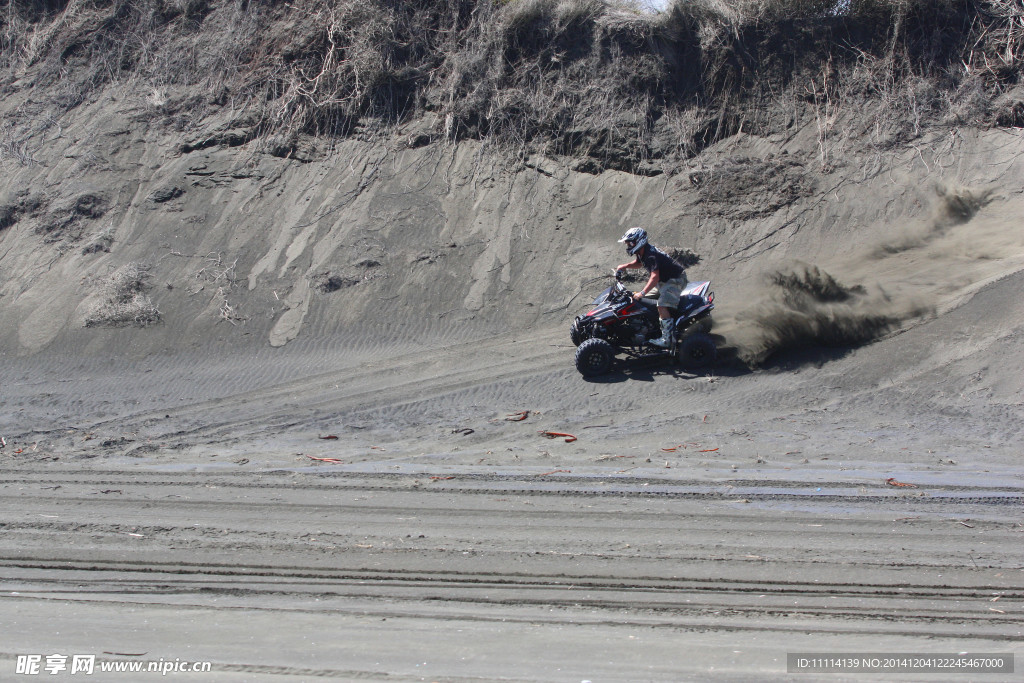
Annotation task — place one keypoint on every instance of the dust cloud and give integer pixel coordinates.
(918, 269)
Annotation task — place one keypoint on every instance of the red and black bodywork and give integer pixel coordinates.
(617, 323)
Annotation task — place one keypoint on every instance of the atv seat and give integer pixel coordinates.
(650, 303)
(687, 303)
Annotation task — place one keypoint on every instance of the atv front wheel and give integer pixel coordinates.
(697, 351)
(576, 334)
(594, 357)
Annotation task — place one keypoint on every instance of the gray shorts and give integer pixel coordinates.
(670, 290)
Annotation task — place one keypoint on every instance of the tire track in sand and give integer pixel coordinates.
(390, 381)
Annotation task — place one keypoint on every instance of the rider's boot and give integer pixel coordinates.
(667, 325)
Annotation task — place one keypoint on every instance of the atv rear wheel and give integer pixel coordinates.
(697, 351)
(702, 326)
(594, 357)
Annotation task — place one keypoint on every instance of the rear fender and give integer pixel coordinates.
(696, 315)
(696, 288)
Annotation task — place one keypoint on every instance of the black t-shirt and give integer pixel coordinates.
(656, 260)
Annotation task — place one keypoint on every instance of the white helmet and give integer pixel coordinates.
(635, 239)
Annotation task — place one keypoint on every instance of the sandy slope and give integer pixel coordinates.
(164, 499)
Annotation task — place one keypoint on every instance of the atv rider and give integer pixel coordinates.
(665, 273)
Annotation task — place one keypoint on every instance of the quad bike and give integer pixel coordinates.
(617, 324)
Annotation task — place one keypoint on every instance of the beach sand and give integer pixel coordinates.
(307, 465)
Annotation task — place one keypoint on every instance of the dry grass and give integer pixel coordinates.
(125, 300)
(607, 80)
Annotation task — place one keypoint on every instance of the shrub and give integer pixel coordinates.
(125, 302)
